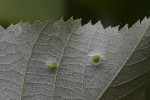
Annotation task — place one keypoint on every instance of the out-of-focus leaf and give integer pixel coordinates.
(30, 10)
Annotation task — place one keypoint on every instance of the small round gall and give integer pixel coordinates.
(96, 58)
(52, 66)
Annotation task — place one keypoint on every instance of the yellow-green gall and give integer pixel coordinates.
(96, 58)
(52, 66)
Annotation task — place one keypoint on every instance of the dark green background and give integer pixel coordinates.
(110, 12)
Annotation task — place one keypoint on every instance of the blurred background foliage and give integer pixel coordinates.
(13, 11)
(110, 12)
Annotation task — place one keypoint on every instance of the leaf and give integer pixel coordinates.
(26, 51)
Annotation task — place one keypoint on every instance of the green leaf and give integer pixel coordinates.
(27, 50)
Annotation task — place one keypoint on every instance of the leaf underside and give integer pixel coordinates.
(27, 49)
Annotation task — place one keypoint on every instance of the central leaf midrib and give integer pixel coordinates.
(86, 58)
(61, 57)
(30, 58)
